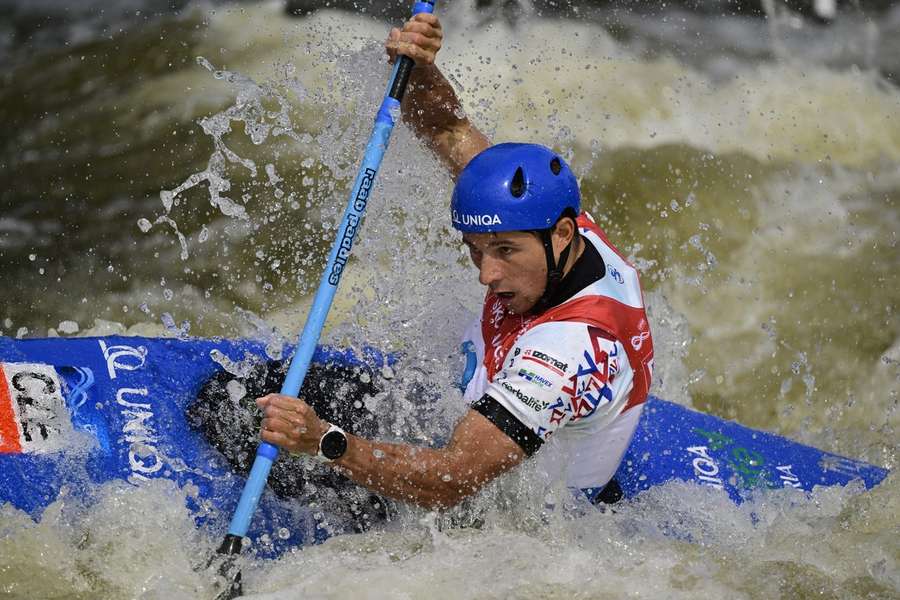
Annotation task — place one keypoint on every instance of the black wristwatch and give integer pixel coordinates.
(333, 444)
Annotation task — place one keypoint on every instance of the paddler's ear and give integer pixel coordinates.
(563, 233)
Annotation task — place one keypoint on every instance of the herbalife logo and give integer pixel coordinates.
(534, 404)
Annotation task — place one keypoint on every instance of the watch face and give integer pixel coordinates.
(333, 445)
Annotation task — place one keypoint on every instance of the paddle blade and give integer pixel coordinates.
(224, 562)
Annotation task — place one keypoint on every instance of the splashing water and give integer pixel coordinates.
(758, 197)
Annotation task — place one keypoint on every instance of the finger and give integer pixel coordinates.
(417, 53)
(291, 420)
(390, 44)
(273, 398)
(423, 29)
(392, 38)
(288, 428)
(421, 55)
(428, 18)
(420, 39)
(277, 438)
(288, 403)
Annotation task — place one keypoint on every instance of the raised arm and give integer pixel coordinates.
(431, 106)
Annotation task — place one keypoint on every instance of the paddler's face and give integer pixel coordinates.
(512, 264)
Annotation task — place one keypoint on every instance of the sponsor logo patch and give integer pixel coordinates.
(33, 414)
(589, 387)
(616, 275)
(638, 340)
(353, 219)
(530, 402)
(477, 220)
(532, 377)
(545, 360)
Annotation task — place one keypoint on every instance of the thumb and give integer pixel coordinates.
(393, 35)
(390, 45)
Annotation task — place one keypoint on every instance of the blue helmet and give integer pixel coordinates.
(513, 187)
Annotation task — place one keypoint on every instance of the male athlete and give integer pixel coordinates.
(562, 348)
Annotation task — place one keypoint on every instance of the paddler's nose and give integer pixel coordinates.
(490, 271)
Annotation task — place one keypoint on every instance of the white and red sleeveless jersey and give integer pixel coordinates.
(579, 372)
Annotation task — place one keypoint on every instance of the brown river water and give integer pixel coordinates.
(184, 174)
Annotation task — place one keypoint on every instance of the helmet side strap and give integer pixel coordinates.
(554, 268)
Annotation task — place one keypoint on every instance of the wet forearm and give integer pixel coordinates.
(433, 478)
(432, 108)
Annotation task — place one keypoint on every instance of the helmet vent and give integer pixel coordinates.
(555, 166)
(517, 185)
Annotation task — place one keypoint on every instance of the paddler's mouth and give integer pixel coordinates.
(505, 297)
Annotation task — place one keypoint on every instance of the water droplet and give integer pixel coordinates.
(32, 257)
(236, 391)
(144, 225)
(204, 63)
(379, 454)
(68, 327)
(168, 321)
(446, 477)
(167, 197)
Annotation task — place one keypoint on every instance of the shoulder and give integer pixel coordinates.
(555, 336)
(564, 337)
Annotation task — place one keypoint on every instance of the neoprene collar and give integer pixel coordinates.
(587, 269)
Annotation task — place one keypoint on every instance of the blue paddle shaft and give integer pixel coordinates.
(337, 260)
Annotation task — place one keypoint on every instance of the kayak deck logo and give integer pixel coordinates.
(33, 414)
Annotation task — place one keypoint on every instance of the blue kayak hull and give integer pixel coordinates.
(76, 412)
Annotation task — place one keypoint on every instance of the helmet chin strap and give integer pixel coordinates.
(554, 269)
